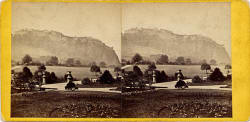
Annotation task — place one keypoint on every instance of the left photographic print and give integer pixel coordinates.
(65, 59)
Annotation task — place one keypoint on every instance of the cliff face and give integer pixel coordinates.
(50, 43)
(149, 42)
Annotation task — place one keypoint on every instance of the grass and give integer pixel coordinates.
(160, 103)
(210, 83)
(99, 85)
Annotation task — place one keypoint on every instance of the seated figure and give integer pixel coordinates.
(181, 84)
(70, 86)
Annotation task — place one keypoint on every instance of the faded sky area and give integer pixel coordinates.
(106, 21)
(207, 19)
(97, 20)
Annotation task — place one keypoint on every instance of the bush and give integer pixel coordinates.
(51, 78)
(197, 79)
(106, 78)
(229, 77)
(137, 71)
(217, 75)
(86, 81)
(161, 76)
(27, 74)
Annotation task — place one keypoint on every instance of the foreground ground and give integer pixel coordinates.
(163, 103)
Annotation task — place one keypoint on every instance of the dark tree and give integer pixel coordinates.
(217, 75)
(52, 78)
(163, 59)
(117, 69)
(228, 67)
(161, 77)
(188, 61)
(42, 67)
(78, 63)
(137, 71)
(53, 61)
(151, 67)
(205, 67)
(197, 79)
(27, 59)
(39, 71)
(106, 77)
(95, 69)
(27, 74)
(86, 81)
(137, 58)
(180, 60)
(70, 62)
(212, 62)
(124, 62)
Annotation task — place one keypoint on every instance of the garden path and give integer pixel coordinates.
(169, 85)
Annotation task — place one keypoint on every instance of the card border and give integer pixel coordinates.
(240, 43)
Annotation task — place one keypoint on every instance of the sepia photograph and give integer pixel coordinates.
(121, 60)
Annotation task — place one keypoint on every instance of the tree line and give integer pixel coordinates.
(54, 61)
(164, 59)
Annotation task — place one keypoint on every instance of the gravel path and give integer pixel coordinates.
(169, 85)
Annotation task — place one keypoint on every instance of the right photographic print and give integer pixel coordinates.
(181, 50)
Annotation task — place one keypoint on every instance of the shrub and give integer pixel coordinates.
(160, 76)
(106, 77)
(137, 71)
(151, 66)
(197, 79)
(229, 77)
(27, 74)
(86, 81)
(217, 75)
(52, 78)
(164, 76)
(42, 67)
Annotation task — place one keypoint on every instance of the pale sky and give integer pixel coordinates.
(106, 21)
(98, 20)
(208, 19)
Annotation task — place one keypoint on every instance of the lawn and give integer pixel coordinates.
(160, 103)
(98, 85)
(211, 83)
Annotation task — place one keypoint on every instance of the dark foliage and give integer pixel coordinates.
(205, 66)
(160, 76)
(95, 68)
(137, 71)
(197, 79)
(180, 60)
(106, 78)
(42, 67)
(151, 66)
(137, 58)
(162, 60)
(86, 81)
(217, 75)
(27, 59)
(27, 74)
(163, 77)
(51, 78)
